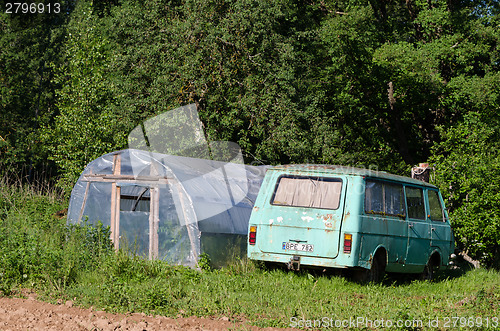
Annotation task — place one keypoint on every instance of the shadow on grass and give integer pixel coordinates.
(390, 279)
(456, 271)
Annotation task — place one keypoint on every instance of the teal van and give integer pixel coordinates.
(367, 221)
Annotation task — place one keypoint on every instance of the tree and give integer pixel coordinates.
(28, 44)
(85, 127)
(236, 60)
(467, 164)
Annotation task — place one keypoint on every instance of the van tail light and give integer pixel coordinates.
(252, 236)
(347, 243)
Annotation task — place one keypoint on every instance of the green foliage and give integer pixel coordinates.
(251, 295)
(204, 262)
(37, 249)
(28, 43)
(353, 118)
(468, 172)
(85, 128)
(235, 60)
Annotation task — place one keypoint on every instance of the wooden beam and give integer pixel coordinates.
(115, 203)
(117, 218)
(125, 179)
(154, 222)
(84, 202)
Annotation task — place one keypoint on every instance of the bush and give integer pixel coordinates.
(467, 166)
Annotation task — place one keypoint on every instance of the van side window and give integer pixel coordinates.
(384, 198)
(312, 192)
(436, 210)
(415, 203)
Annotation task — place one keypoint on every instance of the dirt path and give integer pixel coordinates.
(30, 314)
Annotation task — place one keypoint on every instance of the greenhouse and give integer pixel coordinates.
(168, 207)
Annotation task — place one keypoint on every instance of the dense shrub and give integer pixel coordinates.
(467, 166)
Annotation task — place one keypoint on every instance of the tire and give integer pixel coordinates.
(428, 273)
(373, 275)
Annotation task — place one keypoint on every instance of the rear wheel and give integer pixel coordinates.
(373, 275)
(429, 269)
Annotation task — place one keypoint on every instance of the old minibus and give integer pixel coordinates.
(370, 222)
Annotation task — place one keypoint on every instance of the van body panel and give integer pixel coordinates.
(387, 232)
(418, 242)
(371, 211)
(339, 263)
(441, 238)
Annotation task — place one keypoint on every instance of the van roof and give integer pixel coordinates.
(307, 169)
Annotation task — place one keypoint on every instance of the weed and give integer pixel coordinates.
(39, 251)
(204, 262)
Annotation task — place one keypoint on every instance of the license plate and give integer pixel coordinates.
(297, 247)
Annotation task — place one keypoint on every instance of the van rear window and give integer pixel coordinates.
(384, 198)
(310, 192)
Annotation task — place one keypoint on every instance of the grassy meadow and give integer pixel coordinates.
(39, 252)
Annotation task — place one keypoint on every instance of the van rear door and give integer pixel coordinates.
(303, 216)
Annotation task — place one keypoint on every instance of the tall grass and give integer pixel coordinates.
(39, 251)
(37, 248)
(245, 291)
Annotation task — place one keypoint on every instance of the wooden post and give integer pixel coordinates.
(154, 222)
(154, 211)
(115, 204)
(117, 217)
(84, 202)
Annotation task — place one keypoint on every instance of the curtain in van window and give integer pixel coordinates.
(294, 192)
(304, 192)
(394, 199)
(308, 192)
(285, 192)
(384, 198)
(327, 194)
(374, 197)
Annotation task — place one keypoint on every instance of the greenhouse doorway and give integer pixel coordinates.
(137, 221)
(134, 211)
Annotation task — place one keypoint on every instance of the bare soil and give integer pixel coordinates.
(31, 314)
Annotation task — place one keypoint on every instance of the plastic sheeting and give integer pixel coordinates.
(168, 207)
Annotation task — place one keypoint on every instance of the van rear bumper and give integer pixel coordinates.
(341, 261)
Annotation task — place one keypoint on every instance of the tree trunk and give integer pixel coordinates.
(402, 140)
